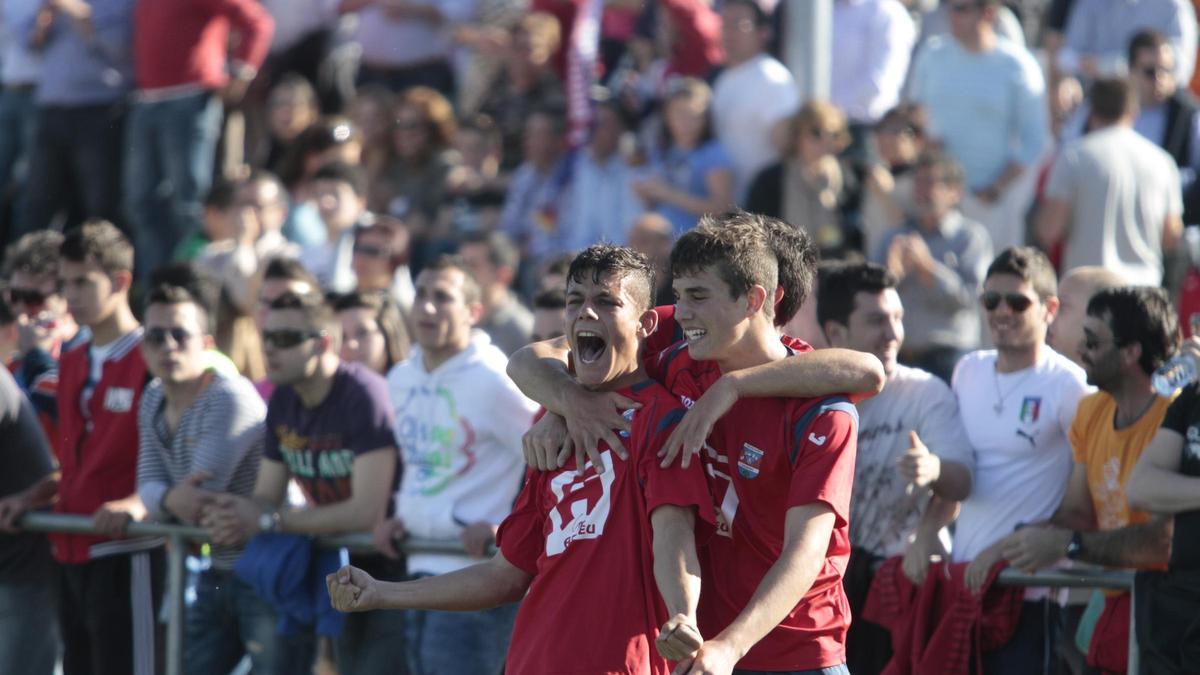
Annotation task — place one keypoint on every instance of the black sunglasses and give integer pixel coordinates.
(1016, 302)
(26, 296)
(286, 338)
(371, 251)
(158, 336)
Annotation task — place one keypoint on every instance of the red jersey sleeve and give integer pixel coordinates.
(674, 485)
(824, 445)
(520, 537)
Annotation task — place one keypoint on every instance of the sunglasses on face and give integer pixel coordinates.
(26, 296)
(157, 337)
(286, 338)
(1016, 302)
(371, 251)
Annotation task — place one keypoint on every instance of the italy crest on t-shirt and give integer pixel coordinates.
(1030, 408)
(749, 461)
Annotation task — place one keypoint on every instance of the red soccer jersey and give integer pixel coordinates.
(765, 456)
(569, 531)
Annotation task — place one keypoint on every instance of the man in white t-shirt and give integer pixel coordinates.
(912, 448)
(459, 422)
(752, 95)
(1020, 399)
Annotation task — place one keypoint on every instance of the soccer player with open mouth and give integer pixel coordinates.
(604, 553)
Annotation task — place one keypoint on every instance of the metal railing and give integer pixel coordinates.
(179, 535)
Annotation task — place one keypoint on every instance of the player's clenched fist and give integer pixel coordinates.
(352, 590)
(679, 638)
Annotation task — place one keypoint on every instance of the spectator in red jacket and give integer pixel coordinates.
(183, 73)
(107, 587)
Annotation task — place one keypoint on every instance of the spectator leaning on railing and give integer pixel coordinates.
(329, 428)
(200, 434)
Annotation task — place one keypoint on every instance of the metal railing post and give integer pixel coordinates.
(176, 561)
(1133, 667)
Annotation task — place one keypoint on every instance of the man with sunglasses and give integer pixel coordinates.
(1018, 400)
(328, 428)
(938, 258)
(1127, 334)
(200, 434)
(45, 327)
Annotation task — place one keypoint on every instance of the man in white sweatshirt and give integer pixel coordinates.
(459, 422)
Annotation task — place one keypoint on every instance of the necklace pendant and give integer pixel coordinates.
(999, 407)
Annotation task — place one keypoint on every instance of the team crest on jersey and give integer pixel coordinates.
(628, 415)
(1031, 407)
(749, 462)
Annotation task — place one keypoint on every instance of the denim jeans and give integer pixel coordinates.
(74, 166)
(227, 620)
(18, 120)
(29, 640)
(1031, 649)
(448, 643)
(171, 147)
(831, 670)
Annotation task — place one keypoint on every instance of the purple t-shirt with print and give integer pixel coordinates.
(319, 445)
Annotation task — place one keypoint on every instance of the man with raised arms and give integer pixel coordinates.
(628, 521)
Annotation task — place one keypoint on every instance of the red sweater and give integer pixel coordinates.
(98, 449)
(184, 42)
(938, 626)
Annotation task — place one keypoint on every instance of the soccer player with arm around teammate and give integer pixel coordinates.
(581, 418)
(628, 523)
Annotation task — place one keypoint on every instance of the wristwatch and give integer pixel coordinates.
(1075, 546)
(269, 521)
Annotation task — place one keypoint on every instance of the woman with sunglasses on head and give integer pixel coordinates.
(374, 332)
(808, 188)
(690, 174)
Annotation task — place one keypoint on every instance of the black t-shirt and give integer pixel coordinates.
(1183, 417)
(24, 460)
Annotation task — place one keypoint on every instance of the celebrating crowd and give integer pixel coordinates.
(669, 367)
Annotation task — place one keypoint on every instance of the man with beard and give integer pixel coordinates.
(1128, 333)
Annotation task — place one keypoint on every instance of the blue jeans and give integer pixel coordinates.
(448, 643)
(18, 120)
(226, 621)
(74, 166)
(1031, 649)
(29, 640)
(831, 670)
(171, 148)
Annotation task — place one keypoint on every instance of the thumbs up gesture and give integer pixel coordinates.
(917, 465)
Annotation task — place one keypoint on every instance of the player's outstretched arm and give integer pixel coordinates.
(806, 538)
(677, 575)
(488, 584)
